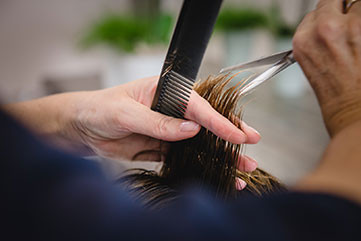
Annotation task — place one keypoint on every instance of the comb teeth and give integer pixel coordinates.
(174, 96)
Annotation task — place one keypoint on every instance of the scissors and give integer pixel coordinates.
(278, 62)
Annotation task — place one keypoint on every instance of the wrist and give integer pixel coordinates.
(63, 111)
(340, 167)
(68, 117)
(342, 112)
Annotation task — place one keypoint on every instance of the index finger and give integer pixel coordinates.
(200, 111)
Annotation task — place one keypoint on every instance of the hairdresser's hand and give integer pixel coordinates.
(118, 122)
(327, 45)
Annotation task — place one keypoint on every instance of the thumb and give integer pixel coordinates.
(143, 120)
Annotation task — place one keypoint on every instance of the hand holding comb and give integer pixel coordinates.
(189, 41)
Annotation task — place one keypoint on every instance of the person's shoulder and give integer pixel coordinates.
(284, 216)
(307, 216)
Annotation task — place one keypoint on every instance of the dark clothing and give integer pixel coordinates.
(49, 195)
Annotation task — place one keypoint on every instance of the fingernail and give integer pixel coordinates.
(188, 126)
(246, 127)
(240, 184)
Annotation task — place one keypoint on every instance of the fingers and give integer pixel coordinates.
(240, 184)
(327, 46)
(143, 90)
(355, 9)
(171, 129)
(301, 41)
(247, 164)
(253, 136)
(321, 31)
(200, 111)
(142, 120)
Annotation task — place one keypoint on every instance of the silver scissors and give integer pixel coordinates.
(277, 62)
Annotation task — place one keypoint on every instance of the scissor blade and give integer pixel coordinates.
(272, 59)
(268, 74)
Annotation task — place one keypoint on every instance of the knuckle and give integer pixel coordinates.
(301, 45)
(162, 127)
(298, 43)
(329, 30)
(304, 35)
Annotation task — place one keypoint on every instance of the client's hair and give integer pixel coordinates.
(205, 160)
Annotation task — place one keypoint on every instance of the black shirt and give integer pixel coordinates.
(50, 195)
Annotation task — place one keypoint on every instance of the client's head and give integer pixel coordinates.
(205, 160)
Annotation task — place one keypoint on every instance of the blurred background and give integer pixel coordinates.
(53, 46)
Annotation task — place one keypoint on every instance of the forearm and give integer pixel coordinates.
(339, 172)
(326, 45)
(50, 117)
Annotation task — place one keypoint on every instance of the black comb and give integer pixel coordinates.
(189, 42)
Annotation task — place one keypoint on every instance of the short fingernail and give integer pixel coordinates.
(246, 127)
(188, 126)
(251, 165)
(240, 184)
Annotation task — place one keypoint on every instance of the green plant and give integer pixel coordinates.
(124, 33)
(231, 19)
(278, 25)
(240, 19)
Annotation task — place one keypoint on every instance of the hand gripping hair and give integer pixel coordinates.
(204, 160)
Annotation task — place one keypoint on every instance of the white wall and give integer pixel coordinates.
(37, 38)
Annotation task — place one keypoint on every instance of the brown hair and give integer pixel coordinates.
(206, 159)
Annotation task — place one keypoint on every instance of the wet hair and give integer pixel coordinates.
(205, 160)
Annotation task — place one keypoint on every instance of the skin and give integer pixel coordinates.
(117, 122)
(327, 45)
